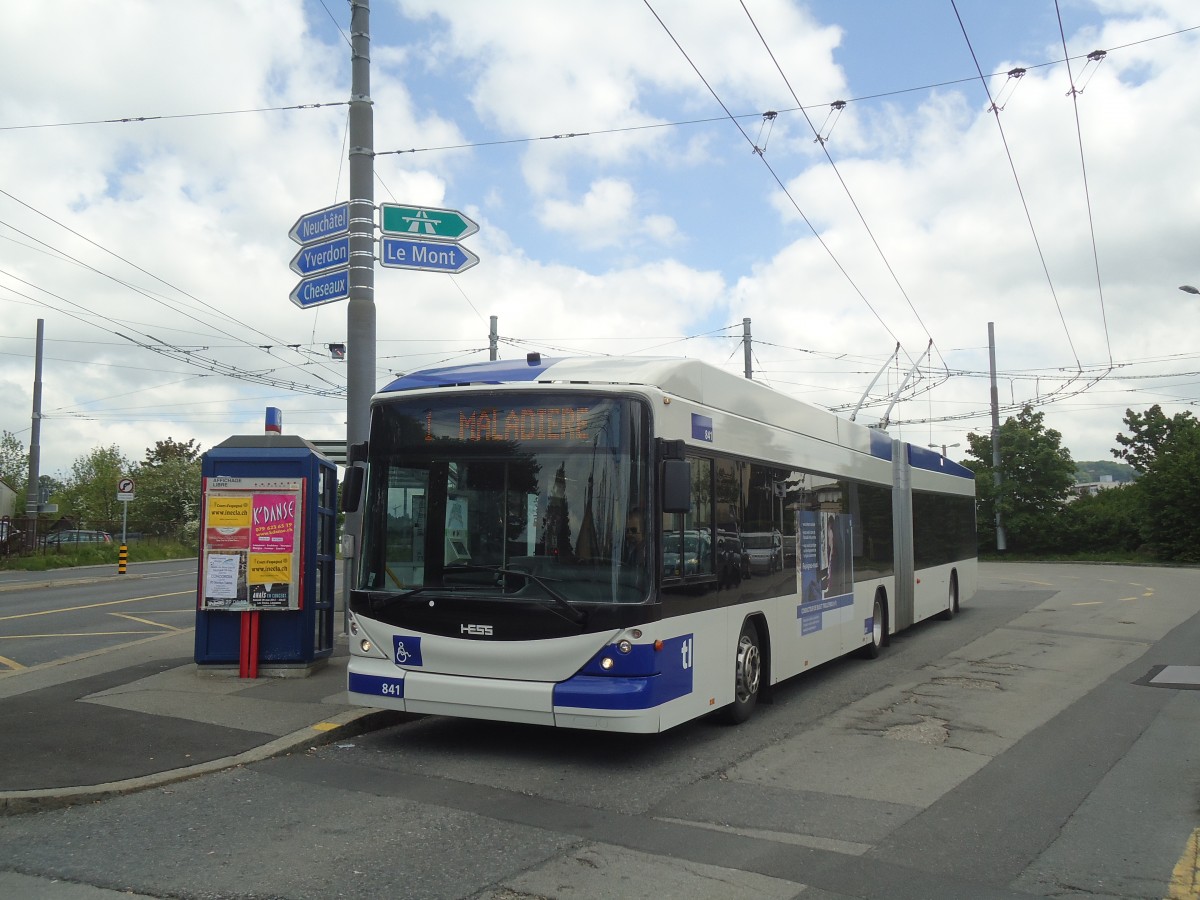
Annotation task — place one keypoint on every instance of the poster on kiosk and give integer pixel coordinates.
(251, 529)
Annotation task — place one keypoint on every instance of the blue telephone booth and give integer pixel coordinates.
(265, 593)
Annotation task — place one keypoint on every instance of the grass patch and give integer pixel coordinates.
(145, 550)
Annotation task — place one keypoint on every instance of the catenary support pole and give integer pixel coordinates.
(746, 347)
(33, 494)
(360, 312)
(493, 339)
(1001, 544)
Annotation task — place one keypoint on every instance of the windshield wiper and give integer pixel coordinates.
(381, 603)
(569, 610)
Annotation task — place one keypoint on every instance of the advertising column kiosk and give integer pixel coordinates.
(267, 556)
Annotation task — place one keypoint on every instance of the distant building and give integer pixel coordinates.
(8, 500)
(1091, 488)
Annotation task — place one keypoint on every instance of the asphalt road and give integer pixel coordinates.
(47, 616)
(1021, 749)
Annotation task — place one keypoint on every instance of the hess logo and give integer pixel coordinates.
(484, 630)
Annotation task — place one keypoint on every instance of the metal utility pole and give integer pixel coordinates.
(493, 337)
(746, 347)
(33, 493)
(1001, 543)
(360, 312)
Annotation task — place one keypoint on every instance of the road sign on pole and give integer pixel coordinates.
(320, 289)
(426, 256)
(313, 258)
(324, 223)
(426, 222)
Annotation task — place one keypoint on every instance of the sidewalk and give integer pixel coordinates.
(145, 715)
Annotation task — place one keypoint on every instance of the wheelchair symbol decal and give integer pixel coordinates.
(406, 650)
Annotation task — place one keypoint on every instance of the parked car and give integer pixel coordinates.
(73, 537)
(765, 549)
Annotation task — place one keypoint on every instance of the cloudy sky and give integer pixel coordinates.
(646, 175)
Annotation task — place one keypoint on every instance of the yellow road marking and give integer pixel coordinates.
(1185, 879)
(17, 637)
(1123, 599)
(11, 663)
(324, 726)
(50, 612)
(145, 621)
(1089, 603)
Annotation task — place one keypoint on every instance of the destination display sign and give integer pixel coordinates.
(496, 423)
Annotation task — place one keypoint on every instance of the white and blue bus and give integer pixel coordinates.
(564, 542)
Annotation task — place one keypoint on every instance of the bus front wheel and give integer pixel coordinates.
(747, 675)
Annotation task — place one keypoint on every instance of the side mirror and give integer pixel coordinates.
(676, 486)
(352, 486)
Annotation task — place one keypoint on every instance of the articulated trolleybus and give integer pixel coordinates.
(627, 544)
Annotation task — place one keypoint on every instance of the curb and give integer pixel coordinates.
(339, 727)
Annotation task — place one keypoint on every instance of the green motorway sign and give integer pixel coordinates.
(425, 221)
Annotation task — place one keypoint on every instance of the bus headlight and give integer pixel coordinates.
(606, 663)
(365, 646)
(624, 646)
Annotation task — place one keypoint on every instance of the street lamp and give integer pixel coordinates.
(944, 446)
(1187, 288)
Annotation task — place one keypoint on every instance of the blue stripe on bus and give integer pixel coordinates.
(811, 614)
(375, 685)
(673, 679)
(933, 461)
(495, 372)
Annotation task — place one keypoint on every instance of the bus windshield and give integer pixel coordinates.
(467, 492)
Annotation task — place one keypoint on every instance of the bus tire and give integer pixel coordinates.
(951, 600)
(747, 675)
(872, 648)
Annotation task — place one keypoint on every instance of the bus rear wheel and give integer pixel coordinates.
(952, 600)
(747, 675)
(872, 648)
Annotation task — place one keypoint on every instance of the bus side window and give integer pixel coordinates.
(698, 531)
(688, 545)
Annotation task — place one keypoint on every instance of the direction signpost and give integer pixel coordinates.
(425, 256)
(324, 223)
(320, 289)
(313, 258)
(425, 221)
(429, 244)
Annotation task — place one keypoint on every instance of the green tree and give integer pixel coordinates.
(1149, 432)
(168, 489)
(1036, 475)
(14, 463)
(89, 496)
(1169, 451)
(1106, 522)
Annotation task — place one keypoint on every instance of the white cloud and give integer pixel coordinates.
(606, 216)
